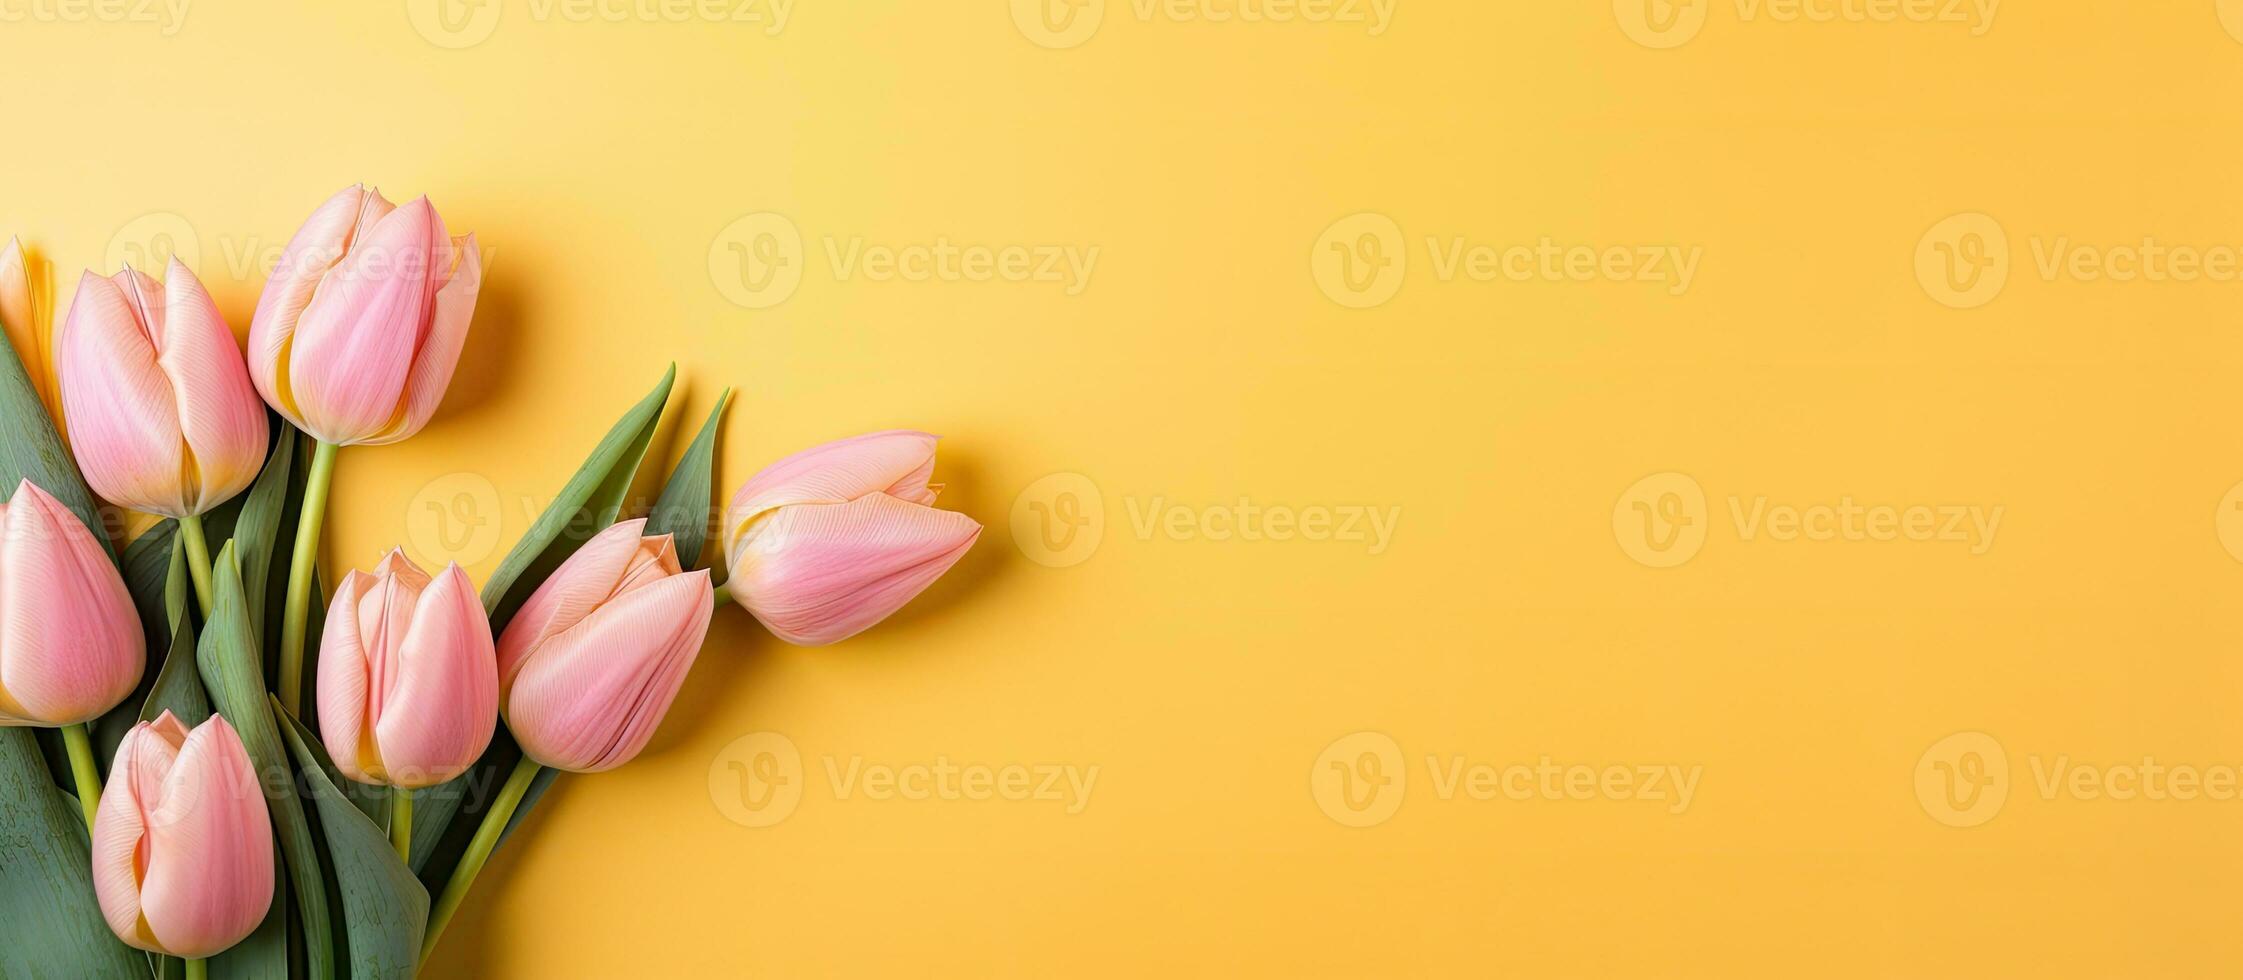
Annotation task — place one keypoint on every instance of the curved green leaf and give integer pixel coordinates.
(385, 909)
(50, 927)
(683, 509)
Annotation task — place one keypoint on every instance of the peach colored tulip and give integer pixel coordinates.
(590, 663)
(167, 420)
(70, 641)
(830, 540)
(358, 330)
(408, 676)
(183, 846)
(23, 312)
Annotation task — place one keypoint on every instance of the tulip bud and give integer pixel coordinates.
(70, 641)
(589, 665)
(357, 332)
(167, 421)
(408, 677)
(830, 540)
(183, 845)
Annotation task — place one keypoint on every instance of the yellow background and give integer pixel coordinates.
(1505, 621)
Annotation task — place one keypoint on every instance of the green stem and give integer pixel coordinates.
(198, 969)
(198, 559)
(478, 851)
(300, 577)
(401, 822)
(82, 770)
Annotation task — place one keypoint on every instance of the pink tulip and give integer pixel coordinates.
(23, 313)
(830, 540)
(590, 663)
(183, 846)
(358, 330)
(70, 641)
(167, 421)
(408, 677)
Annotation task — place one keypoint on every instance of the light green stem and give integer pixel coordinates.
(198, 969)
(401, 822)
(82, 771)
(198, 559)
(478, 851)
(300, 564)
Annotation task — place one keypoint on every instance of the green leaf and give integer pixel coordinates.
(385, 909)
(32, 450)
(148, 564)
(588, 503)
(177, 687)
(683, 508)
(257, 530)
(232, 673)
(50, 926)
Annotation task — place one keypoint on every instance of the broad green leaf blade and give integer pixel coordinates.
(231, 672)
(385, 909)
(178, 685)
(588, 503)
(595, 490)
(257, 530)
(683, 509)
(148, 565)
(50, 926)
(30, 448)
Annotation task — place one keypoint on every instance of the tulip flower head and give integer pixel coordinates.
(589, 665)
(408, 675)
(167, 422)
(183, 844)
(830, 540)
(70, 641)
(357, 332)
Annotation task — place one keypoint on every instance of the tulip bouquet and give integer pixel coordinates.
(210, 765)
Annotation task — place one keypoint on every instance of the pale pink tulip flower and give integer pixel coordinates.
(70, 640)
(408, 675)
(183, 845)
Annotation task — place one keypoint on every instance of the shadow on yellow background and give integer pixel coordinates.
(1736, 487)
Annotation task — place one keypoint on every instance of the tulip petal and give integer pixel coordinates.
(127, 439)
(821, 573)
(443, 706)
(593, 695)
(439, 353)
(136, 777)
(586, 579)
(354, 344)
(322, 241)
(71, 646)
(28, 332)
(220, 416)
(833, 473)
(209, 878)
(343, 684)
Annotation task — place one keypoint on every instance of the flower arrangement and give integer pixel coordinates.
(210, 765)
